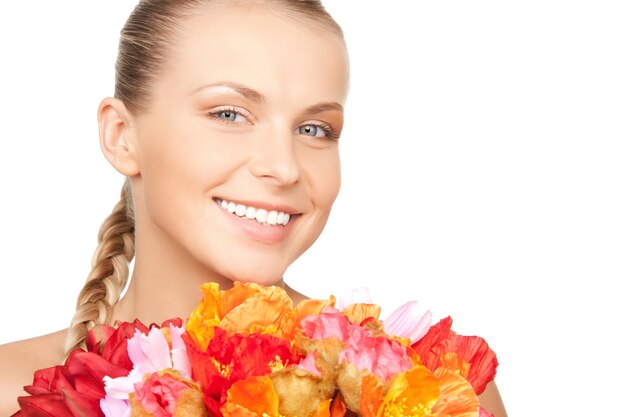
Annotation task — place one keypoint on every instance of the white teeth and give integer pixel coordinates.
(261, 215)
(240, 210)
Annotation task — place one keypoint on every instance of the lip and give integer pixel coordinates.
(257, 231)
(262, 205)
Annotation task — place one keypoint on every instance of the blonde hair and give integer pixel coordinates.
(145, 41)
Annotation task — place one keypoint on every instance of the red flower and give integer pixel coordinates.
(111, 343)
(234, 357)
(471, 349)
(75, 388)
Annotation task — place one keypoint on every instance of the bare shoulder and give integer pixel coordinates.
(491, 401)
(19, 360)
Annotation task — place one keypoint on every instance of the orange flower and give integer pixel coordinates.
(457, 397)
(205, 317)
(413, 393)
(251, 397)
(248, 308)
(256, 397)
(419, 393)
(252, 308)
(245, 308)
(357, 313)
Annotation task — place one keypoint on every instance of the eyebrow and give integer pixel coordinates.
(247, 92)
(259, 98)
(322, 107)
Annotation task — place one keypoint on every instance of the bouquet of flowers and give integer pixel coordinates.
(249, 352)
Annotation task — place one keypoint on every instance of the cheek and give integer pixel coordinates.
(323, 171)
(181, 164)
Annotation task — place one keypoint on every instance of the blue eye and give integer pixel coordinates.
(229, 115)
(312, 130)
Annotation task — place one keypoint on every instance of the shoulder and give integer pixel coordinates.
(491, 401)
(18, 362)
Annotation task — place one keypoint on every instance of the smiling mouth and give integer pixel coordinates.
(260, 215)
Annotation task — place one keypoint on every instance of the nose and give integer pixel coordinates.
(275, 160)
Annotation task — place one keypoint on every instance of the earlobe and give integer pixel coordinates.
(116, 136)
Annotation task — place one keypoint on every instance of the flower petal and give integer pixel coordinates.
(482, 360)
(415, 389)
(305, 308)
(112, 407)
(180, 359)
(265, 311)
(371, 396)
(409, 321)
(308, 364)
(157, 350)
(359, 295)
(254, 394)
(140, 361)
(44, 405)
(457, 395)
(119, 388)
(357, 313)
(205, 316)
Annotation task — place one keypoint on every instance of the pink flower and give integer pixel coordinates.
(328, 324)
(308, 364)
(158, 394)
(148, 353)
(409, 321)
(379, 355)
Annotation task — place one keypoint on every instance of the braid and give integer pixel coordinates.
(109, 272)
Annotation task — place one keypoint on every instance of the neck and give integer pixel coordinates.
(166, 284)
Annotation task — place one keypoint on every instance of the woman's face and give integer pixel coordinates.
(244, 118)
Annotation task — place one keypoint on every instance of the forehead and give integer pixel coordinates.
(283, 57)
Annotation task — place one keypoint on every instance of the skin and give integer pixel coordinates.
(255, 134)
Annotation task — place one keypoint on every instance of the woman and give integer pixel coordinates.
(225, 122)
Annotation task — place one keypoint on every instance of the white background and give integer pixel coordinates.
(484, 174)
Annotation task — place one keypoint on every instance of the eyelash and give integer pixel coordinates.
(328, 130)
(227, 109)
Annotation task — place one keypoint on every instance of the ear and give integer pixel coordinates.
(116, 136)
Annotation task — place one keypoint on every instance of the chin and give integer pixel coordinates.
(258, 274)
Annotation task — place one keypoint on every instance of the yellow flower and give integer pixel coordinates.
(206, 316)
(357, 313)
